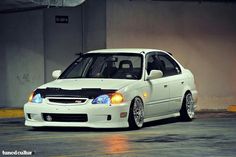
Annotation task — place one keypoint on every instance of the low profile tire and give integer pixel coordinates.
(187, 111)
(136, 114)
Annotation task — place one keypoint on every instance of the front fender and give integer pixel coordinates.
(133, 90)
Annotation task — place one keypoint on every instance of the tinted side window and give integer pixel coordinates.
(169, 66)
(152, 62)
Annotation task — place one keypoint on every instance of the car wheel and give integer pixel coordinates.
(187, 111)
(136, 114)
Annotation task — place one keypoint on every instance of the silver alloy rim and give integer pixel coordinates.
(138, 112)
(190, 105)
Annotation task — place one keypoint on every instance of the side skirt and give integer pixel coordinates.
(161, 117)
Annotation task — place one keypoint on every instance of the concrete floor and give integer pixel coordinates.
(210, 134)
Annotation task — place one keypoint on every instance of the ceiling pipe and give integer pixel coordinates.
(58, 3)
(28, 5)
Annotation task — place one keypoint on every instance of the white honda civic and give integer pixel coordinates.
(114, 88)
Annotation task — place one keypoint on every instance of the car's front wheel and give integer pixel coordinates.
(136, 114)
(187, 111)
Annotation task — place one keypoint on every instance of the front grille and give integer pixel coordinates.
(52, 117)
(67, 101)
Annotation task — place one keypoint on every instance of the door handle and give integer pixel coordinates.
(165, 86)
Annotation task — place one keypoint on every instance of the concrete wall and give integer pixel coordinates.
(21, 43)
(2, 68)
(201, 36)
(62, 40)
(32, 45)
(85, 31)
(94, 24)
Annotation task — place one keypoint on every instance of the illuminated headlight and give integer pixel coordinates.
(102, 99)
(114, 99)
(35, 98)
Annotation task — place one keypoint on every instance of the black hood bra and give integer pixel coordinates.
(90, 93)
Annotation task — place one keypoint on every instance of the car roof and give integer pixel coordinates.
(125, 50)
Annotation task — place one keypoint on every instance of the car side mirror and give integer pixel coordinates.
(154, 74)
(56, 74)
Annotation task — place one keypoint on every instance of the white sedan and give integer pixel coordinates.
(114, 88)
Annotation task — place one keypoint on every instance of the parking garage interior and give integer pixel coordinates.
(37, 37)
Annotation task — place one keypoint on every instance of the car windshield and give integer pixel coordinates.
(106, 65)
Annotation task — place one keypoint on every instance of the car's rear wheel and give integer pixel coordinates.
(136, 114)
(187, 111)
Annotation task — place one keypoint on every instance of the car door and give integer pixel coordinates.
(158, 89)
(172, 73)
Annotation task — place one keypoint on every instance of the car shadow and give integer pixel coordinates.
(162, 122)
(77, 129)
(85, 129)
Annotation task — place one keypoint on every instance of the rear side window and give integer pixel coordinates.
(168, 65)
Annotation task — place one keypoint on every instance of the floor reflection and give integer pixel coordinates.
(116, 143)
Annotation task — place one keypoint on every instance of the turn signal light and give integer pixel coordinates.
(31, 97)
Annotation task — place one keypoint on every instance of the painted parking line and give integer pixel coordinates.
(11, 113)
(231, 108)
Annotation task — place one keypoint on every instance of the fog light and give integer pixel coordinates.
(123, 114)
(109, 117)
(29, 116)
(48, 118)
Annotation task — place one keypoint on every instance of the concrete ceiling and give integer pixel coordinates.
(21, 5)
(8, 6)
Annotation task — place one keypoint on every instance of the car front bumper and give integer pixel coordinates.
(97, 115)
(195, 97)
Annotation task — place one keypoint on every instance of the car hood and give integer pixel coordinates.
(73, 84)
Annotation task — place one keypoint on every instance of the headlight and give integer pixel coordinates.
(114, 99)
(102, 99)
(35, 98)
